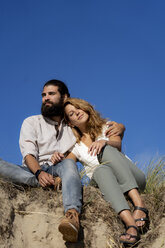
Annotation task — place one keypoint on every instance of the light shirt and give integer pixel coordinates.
(39, 138)
(80, 150)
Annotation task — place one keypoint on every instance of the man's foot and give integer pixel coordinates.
(69, 226)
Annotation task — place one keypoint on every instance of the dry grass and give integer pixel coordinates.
(154, 198)
(95, 209)
(155, 175)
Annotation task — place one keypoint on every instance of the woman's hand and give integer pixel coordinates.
(96, 147)
(57, 157)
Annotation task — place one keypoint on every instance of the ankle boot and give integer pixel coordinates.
(69, 226)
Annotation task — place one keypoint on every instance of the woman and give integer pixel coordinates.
(115, 175)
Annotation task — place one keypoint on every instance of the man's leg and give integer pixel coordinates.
(71, 184)
(72, 197)
(17, 174)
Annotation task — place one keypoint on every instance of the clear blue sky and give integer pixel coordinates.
(111, 53)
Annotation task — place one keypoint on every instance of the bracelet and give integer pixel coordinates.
(37, 173)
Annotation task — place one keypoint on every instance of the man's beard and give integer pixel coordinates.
(55, 109)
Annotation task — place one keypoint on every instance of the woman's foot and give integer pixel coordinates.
(130, 237)
(141, 218)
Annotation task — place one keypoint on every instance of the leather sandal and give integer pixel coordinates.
(128, 242)
(144, 228)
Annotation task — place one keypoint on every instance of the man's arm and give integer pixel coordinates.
(115, 129)
(115, 141)
(29, 150)
(44, 178)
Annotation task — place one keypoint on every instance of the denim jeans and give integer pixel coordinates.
(66, 169)
(17, 174)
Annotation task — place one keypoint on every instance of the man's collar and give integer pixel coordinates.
(55, 123)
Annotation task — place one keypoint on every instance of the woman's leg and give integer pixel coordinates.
(137, 173)
(112, 192)
(137, 201)
(118, 163)
(121, 165)
(110, 188)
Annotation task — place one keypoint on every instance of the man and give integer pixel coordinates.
(42, 135)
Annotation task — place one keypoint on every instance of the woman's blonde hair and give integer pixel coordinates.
(94, 123)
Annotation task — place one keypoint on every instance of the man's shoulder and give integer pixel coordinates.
(33, 118)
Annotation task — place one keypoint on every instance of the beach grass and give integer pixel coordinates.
(155, 175)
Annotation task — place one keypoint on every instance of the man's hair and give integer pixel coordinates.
(62, 88)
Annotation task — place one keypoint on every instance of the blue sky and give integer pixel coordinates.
(110, 53)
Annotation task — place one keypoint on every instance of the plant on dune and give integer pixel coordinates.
(155, 175)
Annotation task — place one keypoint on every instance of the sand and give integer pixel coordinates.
(29, 218)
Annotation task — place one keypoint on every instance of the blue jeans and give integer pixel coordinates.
(17, 174)
(67, 170)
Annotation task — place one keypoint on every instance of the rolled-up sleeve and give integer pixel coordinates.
(28, 138)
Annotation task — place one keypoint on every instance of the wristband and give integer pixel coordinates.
(37, 173)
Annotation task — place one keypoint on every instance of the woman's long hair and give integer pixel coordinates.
(95, 121)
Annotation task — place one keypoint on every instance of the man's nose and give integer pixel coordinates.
(46, 98)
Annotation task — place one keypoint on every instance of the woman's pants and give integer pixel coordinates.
(117, 176)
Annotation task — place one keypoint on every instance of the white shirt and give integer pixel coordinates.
(80, 150)
(39, 138)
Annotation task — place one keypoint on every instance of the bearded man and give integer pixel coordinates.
(40, 136)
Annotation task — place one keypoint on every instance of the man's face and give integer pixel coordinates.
(52, 101)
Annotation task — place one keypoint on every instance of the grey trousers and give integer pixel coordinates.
(118, 176)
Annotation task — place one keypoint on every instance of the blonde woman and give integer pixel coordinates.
(115, 175)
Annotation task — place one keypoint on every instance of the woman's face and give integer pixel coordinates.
(77, 117)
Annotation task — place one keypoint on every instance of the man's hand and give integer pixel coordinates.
(96, 147)
(115, 129)
(57, 157)
(45, 179)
